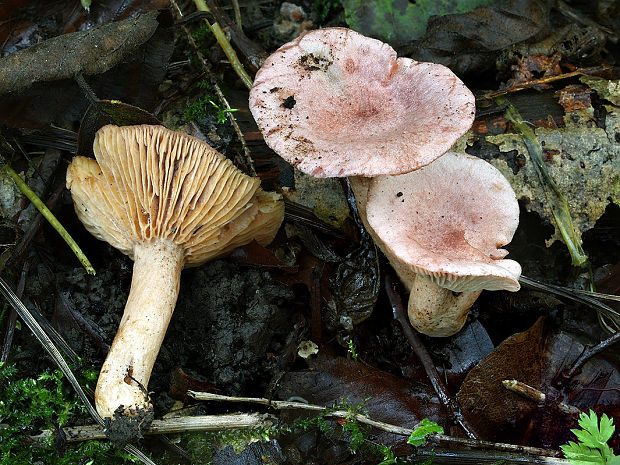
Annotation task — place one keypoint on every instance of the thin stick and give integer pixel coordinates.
(230, 53)
(529, 392)
(237, 11)
(473, 457)
(586, 355)
(20, 249)
(282, 405)
(249, 164)
(391, 286)
(49, 216)
(170, 426)
(547, 80)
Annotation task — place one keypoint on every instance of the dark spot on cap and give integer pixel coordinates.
(274, 89)
(399, 194)
(289, 102)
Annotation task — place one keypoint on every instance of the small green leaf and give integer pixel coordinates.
(426, 427)
(578, 454)
(592, 448)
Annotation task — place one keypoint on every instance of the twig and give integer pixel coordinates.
(283, 405)
(49, 216)
(586, 355)
(247, 164)
(255, 420)
(21, 248)
(473, 457)
(237, 11)
(170, 426)
(529, 392)
(230, 53)
(287, 405)
(549, 79)
(391, 287)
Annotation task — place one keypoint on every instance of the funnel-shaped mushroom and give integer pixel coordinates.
(167, 200)
(336, 103)
(442, 227)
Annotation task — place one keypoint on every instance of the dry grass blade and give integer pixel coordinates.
(587, 298)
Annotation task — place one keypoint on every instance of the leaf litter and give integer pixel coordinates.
(305, 284)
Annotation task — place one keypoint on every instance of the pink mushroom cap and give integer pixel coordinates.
(336, 103)
(448, 221)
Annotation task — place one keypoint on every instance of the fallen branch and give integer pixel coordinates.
(169, 426)
(256, 420)
(586, 355)
(546, 80)
(399, 430)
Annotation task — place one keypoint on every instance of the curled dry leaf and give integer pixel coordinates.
(124, 60)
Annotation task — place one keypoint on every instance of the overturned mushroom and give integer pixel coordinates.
(442, 227)
(336, 103)
(169, 201)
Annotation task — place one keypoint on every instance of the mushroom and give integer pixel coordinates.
(442, 228)
(169, 201)
(336, 103)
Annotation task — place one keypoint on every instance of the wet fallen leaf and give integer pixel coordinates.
(466, 349)
(399, 21)
(388, 398)
(355, 286)
(87, 52)
(496, 413)
(469, 42)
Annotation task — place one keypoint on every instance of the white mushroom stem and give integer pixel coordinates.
(437, 311)
(154, 290)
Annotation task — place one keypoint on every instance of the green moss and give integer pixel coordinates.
(206, 105)
(203, 445)
(28, 405)
(325, 8)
